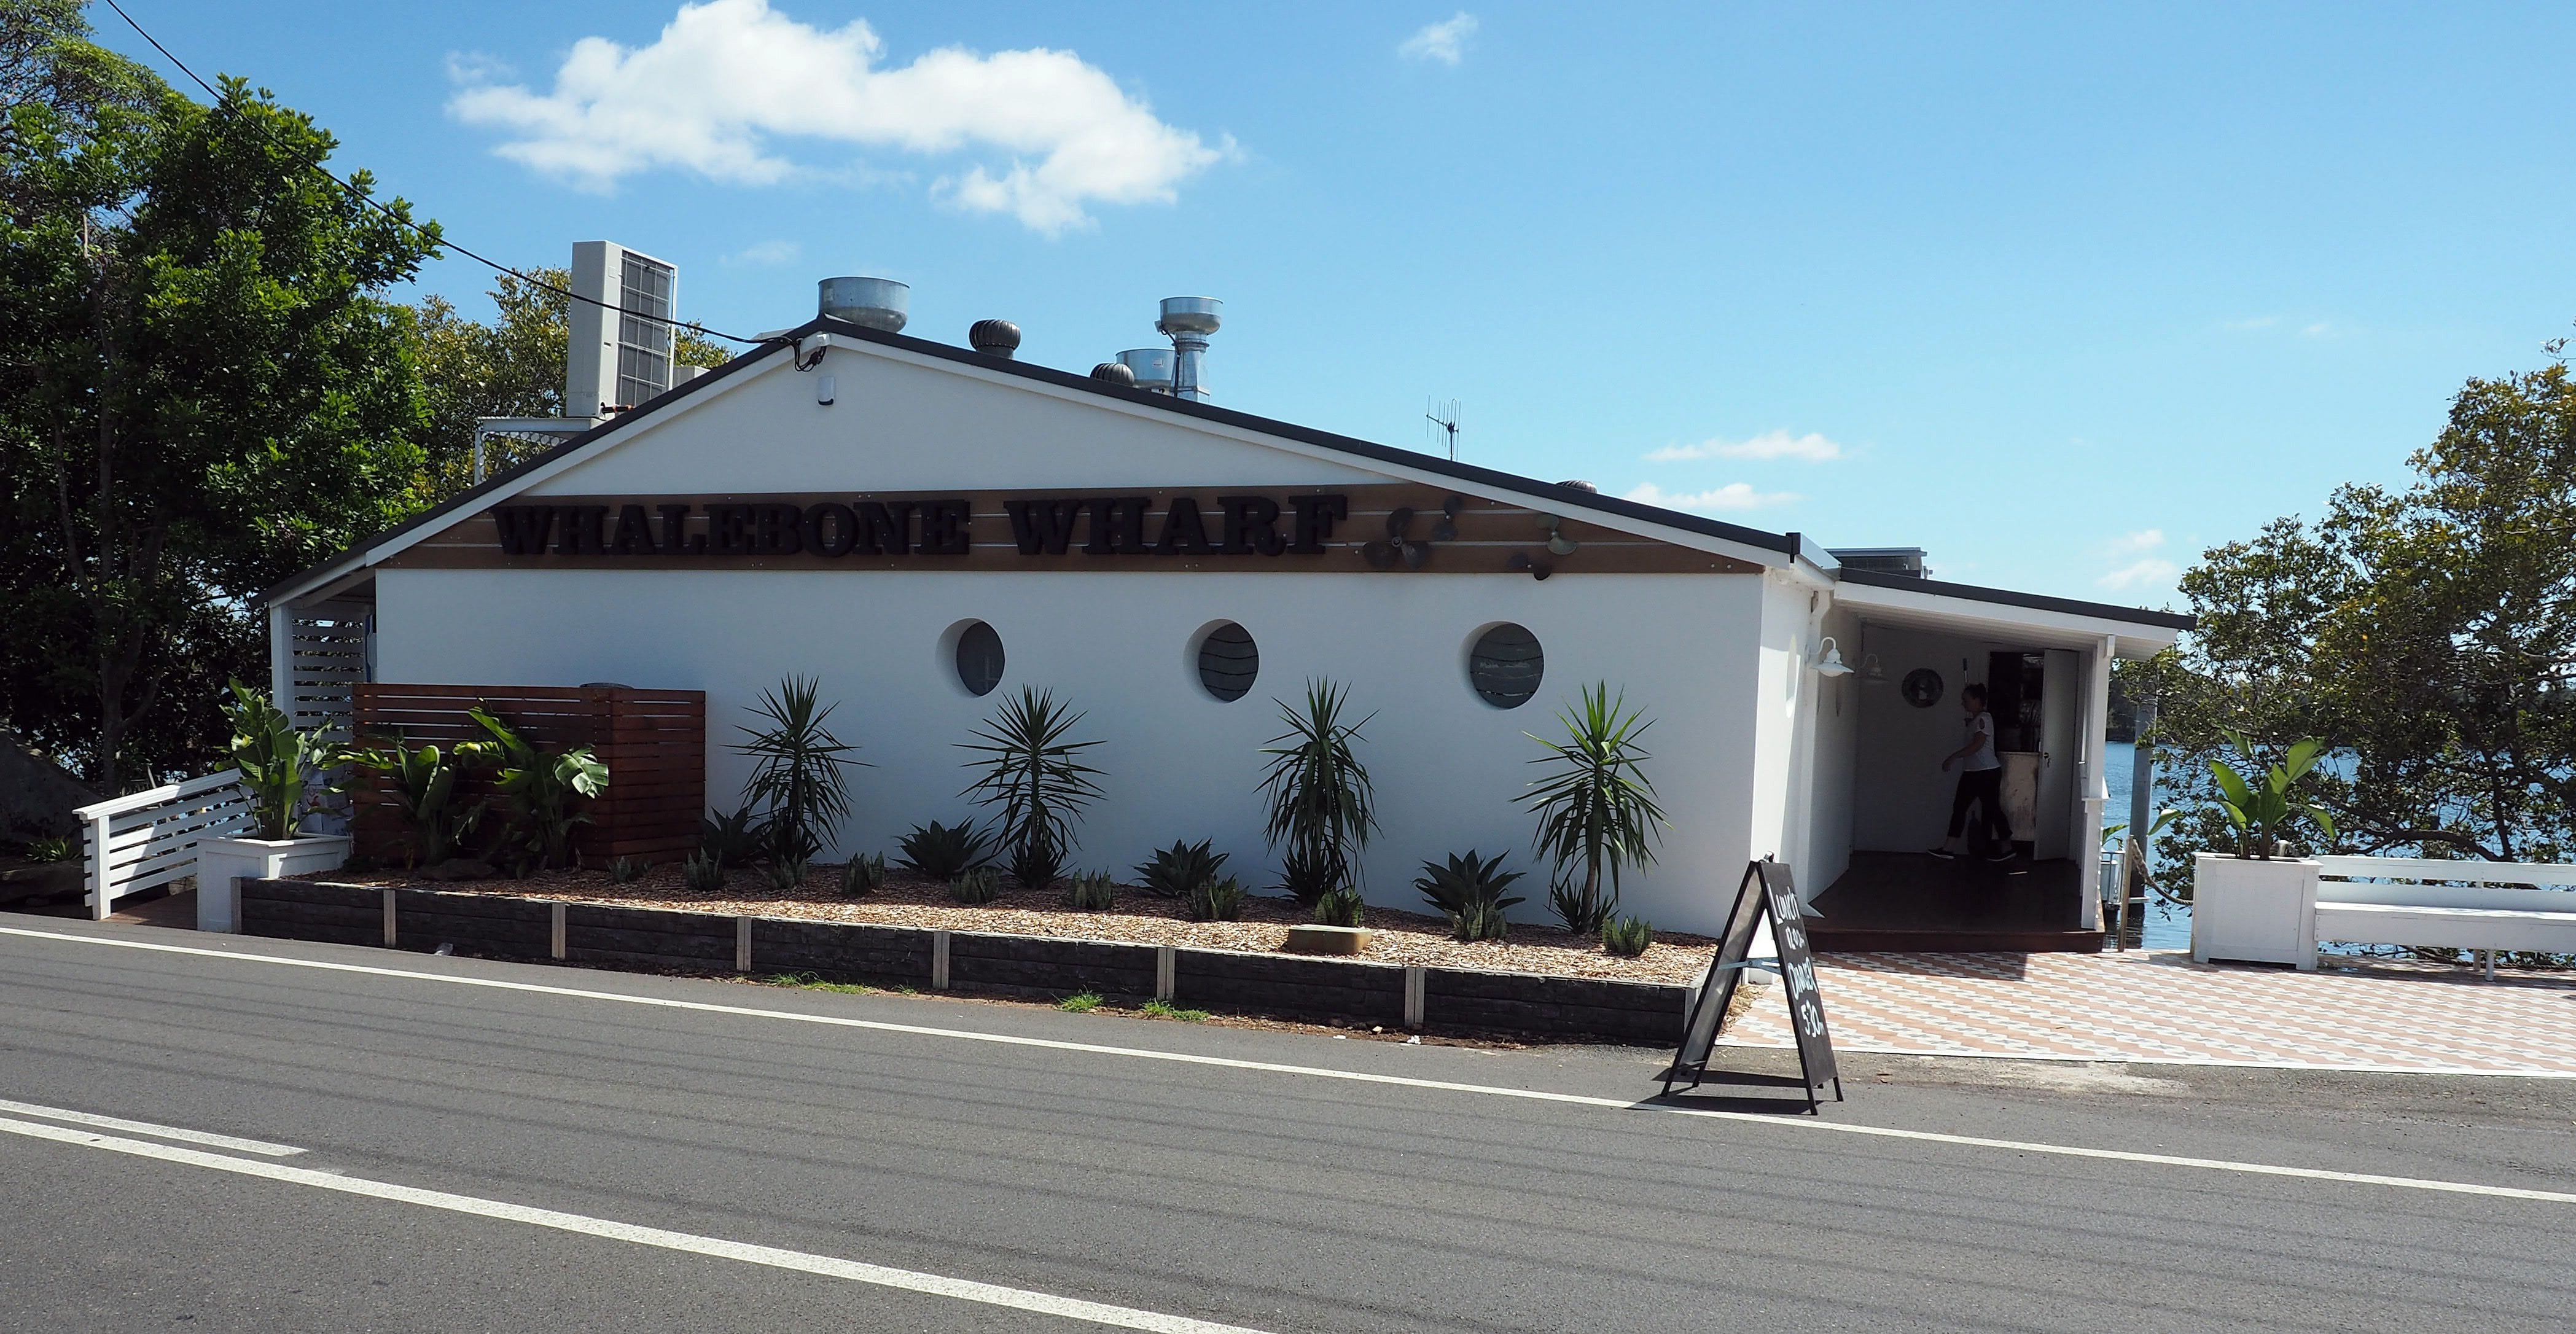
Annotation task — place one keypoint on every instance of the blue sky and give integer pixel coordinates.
(2062, 293)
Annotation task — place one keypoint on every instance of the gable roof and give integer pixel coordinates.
(1791, 548)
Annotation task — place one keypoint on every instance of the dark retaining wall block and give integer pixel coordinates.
(895, 956)
(1282, 987)
(1048, 966)
(649, 938)
(1559, 1007)
(480, 924)
(306, 910)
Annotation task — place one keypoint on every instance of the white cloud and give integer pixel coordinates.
(1445, 41)
(1732, 496)
(2143, 540)
(728, 79)
(765, 255)
(1811, 447)
(2148, 573)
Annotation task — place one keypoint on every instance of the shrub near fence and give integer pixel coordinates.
(1040, 967)
(654, 743)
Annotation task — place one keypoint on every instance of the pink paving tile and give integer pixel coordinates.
(2161, 1006)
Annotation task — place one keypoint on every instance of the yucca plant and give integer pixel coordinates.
(1037, 778)
(1322, 808)
(2265, 806)
(424, 792)
(799, 769)
(1627, 937)
(1217, 899)
(862, 876)
(976, 884)
(281, 765)
(942, 851)
(1175, 871)
(1341, 907)
(1596, 808)
(1091, 891)
(538, 788)
(702, 874)
(1469, 891)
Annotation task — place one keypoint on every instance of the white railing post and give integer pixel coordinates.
(95, 834)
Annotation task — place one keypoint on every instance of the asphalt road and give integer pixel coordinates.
(1275, 1199)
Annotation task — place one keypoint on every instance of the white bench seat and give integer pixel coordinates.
(2404, 901)
(2551, 932)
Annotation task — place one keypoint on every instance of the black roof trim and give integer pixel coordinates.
(466, 498)
(2036, 601)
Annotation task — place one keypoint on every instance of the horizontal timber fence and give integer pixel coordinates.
(1303, 989)
(143, 839)
(654, 743)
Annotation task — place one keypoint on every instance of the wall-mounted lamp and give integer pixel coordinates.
(1829, 659)
(823, 388)
(1871, 671)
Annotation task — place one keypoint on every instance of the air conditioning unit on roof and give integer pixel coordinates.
(618, 358)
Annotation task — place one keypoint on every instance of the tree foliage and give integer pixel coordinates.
(2427, 634)
(204, 390)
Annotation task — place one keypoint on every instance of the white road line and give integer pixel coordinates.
(233, 1142)
(1352, 1076)
(856, 1271)
(2133, 1058)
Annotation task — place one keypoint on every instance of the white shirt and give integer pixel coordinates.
(1981, 730)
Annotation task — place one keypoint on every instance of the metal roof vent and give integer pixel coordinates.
(1152, 367)
(870, 303)
(1187, 321)
(994, 338)
(1578, 484)
(1908, 561)
(1114, 372)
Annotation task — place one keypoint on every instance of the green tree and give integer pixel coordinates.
(2427, 634)
(205, 390)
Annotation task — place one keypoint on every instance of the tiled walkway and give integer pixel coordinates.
(2161, 1006)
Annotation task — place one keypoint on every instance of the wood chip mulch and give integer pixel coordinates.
(1140, 918)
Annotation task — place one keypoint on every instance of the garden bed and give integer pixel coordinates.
(1139, 918)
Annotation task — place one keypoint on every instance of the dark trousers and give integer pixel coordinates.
(1983, 788)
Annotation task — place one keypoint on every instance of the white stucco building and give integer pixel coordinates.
(722, 536)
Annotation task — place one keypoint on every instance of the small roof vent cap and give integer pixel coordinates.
(994, 338)
(1114, 372)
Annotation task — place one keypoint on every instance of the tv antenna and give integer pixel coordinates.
(1444, 421)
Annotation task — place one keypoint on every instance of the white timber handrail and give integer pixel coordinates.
(150, 838)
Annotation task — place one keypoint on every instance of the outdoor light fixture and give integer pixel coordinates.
(1829, 659)
(1871, 671)
(823, 390)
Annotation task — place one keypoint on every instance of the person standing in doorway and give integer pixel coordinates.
(1981, 784)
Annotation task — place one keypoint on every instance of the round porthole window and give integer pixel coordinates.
(1228, 661)
(1505, 666)
(979, 658)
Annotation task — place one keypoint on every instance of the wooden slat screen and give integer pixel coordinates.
(654, 743)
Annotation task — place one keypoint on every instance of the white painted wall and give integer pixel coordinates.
(1179, 764)
(1837, 719)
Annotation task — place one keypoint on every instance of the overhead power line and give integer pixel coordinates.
(433, 238)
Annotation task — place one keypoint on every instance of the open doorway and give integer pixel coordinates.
(1895, 895)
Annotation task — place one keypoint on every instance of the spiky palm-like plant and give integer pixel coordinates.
(1596, 808)
(799, 769)
(1322, 808)
(1026, 767)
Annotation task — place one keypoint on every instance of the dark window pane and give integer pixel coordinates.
(1505, 666)
(979, 659)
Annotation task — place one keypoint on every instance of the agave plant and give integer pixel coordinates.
(1596, 809)
(2264, 806)
(1341, 907)
(738, 839)
(1178, 869)
(1627, 937)
(538, 788)
(702, 874)
(1216, 899)
(942, 851)
(862, 876)
(976, 885)
(1322, 808)
(423, 790)
(799, 769)
(281, 765)
(1091, 891)
(1037, 778)
(1469, 891)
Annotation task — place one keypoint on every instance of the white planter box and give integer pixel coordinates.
(2253, 910)
(223, 862)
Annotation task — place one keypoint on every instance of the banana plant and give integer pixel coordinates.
(282, 766)
(424, 790)
(537, 788)
(2264, 807)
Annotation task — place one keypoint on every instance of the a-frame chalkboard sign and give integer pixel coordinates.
(1767, 890)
